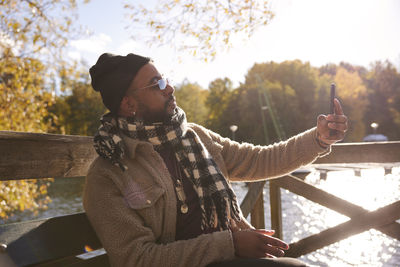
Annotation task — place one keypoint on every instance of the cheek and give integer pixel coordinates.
(155, 101)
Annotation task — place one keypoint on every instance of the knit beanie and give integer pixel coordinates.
(112, 76)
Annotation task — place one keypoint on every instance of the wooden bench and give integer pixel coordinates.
(57, 241)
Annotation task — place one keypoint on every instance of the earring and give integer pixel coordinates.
(132, 111)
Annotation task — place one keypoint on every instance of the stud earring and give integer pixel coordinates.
(132, 111)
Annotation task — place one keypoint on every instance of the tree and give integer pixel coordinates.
(23, 103)
(78, 111)
(294, 88)
(383, 83)
(199, 27)
(24, 98)
(37, 27)
(217, 100)
(191, 98)
(33, 35)
(242, 109)
(353, 95)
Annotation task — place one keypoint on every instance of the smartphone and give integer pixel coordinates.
(332, 104)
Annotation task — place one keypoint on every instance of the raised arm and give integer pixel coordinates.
(248, 162)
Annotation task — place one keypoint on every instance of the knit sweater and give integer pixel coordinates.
(134, 212)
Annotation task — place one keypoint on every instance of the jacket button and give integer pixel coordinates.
(148, 201)
(3, 247)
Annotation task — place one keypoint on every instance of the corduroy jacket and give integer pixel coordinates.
(134, 212)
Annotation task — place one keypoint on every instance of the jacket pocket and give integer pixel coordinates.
(144, 198)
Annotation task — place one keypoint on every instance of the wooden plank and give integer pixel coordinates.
(254, 191)
(379, 152)
(257, 213)
(356, 225)
(34, 155)
(276, 208)
(333, 202)
(48, 239)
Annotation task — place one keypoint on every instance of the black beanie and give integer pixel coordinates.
(112, 76)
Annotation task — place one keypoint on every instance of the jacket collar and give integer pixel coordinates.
(131, 145)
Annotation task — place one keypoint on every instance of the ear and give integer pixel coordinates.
(127, 107)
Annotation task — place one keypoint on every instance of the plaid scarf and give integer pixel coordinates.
(217, 200)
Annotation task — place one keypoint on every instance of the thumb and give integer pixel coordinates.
(234, 227)
(265, 232)
(322, 119)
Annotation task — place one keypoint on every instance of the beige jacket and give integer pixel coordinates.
(134, 212)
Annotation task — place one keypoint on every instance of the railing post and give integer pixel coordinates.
(276, 209)
(257, 213)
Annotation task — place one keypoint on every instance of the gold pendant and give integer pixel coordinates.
(184, 208)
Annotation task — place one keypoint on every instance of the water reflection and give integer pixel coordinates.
(371, 190)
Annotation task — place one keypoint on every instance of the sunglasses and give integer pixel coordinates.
(161, 83)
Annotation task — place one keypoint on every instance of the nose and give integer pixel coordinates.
(169, 90)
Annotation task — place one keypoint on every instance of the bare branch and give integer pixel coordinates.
(205, 26)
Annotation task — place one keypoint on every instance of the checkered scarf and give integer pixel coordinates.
(217, 200)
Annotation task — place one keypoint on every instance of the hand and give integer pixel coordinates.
(336, 122)
(258, 244)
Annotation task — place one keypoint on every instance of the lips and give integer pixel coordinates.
(170, 105)
(172, 102)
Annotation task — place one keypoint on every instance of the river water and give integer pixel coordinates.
(301, 217)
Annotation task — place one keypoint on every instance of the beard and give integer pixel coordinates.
(154, 116)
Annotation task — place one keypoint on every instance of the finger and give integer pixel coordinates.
(234, 227)
(338, 107)
(338, 126)
(336, 118)
(322, 121)
(274, 251)
(274, 242)
(339, 136)
(265, 232)
(336, 137)
(269, 256)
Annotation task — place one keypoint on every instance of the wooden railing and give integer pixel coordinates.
(30, 155)
(342, 156)
(58, 241)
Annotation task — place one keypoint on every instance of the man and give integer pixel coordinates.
(160, 194)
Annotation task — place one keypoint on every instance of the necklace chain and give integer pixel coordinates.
(179, 189)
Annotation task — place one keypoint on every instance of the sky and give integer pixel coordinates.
(359, 32)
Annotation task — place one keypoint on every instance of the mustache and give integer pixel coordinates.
(170, 99)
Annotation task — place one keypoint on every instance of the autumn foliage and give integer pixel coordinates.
(33, 36)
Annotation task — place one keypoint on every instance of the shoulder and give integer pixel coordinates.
(214, 142)
(205, 133)
(101, 166)
(102, 173)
